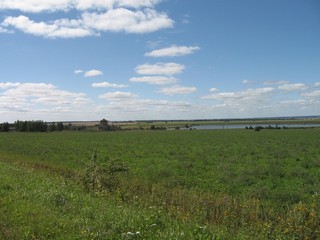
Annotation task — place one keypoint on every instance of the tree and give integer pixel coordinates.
(104, 125)
(60, 126)
(52, 127)
(5, 127)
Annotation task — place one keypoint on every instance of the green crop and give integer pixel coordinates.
(218, 184)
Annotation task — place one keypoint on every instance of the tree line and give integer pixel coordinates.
(31, 126)
(41, 126)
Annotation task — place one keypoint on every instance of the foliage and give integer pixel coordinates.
(99, 178)
(105, 126)
(153, 127)
(4, 127)
(37, 126)
(31, 126)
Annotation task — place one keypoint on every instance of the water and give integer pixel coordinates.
(243, 126)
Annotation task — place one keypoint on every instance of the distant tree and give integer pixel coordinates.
(31, 126)
(104, 125)
(23, 126)
(60, 126)
(5, 127)
(52, 127)
(20, 126)
(153, 127)
(258, 128)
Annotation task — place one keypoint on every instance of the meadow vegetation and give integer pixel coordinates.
(213, 184)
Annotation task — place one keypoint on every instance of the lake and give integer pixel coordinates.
(243, 126)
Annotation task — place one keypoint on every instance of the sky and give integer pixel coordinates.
(81, 60)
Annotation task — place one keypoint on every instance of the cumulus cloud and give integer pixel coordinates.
(154, 80)
(3, 30)
(137, 16)
(176, 89)
(317, 84)
(275, 82)
(36, 6)
(173, 51)
(78, 71)
(5, 85)
(247, 81)
(93, 73)
(265, 101)
(250, 102)
(314, 94)
(246, 96)
(293, 87)
(108, 85)
(160, 69)
(213, 89)
(126, 20)
(32, 99)
(42, 93)
(59, 28)
(117, 95)
(137, 108)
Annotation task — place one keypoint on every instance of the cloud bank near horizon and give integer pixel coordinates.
(32, 101)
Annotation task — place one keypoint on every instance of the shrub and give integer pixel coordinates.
(103, 177)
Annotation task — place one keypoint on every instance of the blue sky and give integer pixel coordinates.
(158, 59)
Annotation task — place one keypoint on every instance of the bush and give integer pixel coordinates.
(103, 177)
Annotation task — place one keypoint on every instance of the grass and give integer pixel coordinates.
(222, 184)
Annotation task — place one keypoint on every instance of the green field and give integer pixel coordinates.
(218, 184)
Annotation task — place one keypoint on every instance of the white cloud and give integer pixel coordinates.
(314, 94)
(108, 85)
(250, 102)
(213, 89)
(173, 51)
(173, 90)
(63, 29)
(30, 100)
(34, 5)
(110, 4)
(155, 80)
(41, 93)
(247, 81)
(5, 85)
(125, 20)
(185, 19)
(317, 84)
(78, 71)
(37, 6)
(275, 82)
(160, 69)
(136, 108)
(293, 87)
(3, 30)
(240, 97)
(93, 73)
(153, 44)
(95, 17)
(117, 95)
